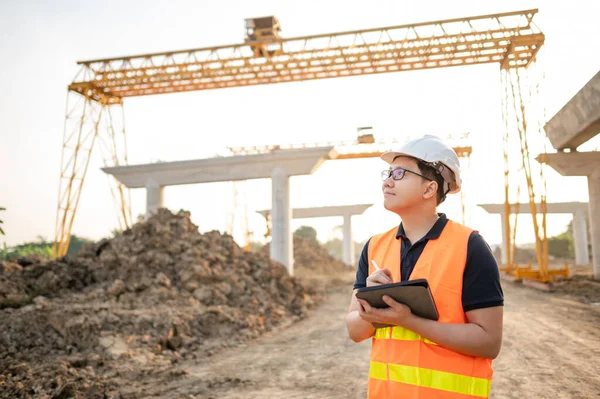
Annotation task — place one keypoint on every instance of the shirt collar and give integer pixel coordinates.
(433, 233)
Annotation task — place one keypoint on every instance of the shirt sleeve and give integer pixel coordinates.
(362, 272)
(481, 278)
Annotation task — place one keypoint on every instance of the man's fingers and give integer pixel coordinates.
(387, 273)
(365, 305)
(381, 277)
(379, 280)
(388, 300)
(365, 312)
(392, 303)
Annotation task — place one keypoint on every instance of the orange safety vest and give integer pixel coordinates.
(407, 365)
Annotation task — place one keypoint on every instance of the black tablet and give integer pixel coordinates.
(413, 293)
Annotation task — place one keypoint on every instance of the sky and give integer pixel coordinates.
(40, 43)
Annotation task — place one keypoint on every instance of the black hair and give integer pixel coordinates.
(431, 173)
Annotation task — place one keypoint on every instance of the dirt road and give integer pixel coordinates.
(551, 350)
(551, 347)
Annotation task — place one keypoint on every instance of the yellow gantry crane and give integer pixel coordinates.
(94, 111)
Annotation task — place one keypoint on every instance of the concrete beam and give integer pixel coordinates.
(579, 211)
(241, 167)
(155, 197)
(324, 211)
(572, 163)
(346, 211)
(579, 120)
(278, 165)
(594, 194)
(281, 236)
(553, 207)
(580, 238)
(583, 164)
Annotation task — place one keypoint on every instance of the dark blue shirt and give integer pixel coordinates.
(481, 278)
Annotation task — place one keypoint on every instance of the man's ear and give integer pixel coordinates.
(431, 190)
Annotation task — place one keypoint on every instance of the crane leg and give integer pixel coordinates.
(80, 131)
(114, 153)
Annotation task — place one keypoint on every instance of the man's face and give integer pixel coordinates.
(407, 192)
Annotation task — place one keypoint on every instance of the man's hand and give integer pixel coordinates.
(379, 277)
(359, 328)
(396, 314)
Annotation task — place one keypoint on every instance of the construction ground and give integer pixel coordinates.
(163, 311)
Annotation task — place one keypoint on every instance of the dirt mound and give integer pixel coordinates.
(158, 292)
(20, 284)
(581, 288)
(309, 255)
(316, 268)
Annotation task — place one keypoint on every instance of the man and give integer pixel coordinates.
(420, 358)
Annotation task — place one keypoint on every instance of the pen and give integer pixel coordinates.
(375, 264)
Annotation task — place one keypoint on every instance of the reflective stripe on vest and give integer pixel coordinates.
(434, 379)
(407, 365)
(400, 334)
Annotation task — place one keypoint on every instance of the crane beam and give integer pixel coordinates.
(509, 39)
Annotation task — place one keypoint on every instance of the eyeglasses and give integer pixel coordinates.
(398, 174)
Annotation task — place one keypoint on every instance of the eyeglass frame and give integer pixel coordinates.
(386, 174)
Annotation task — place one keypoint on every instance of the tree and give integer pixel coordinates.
(306, 232)
(76, 244)
(562, 245)
(115, 233)
(335, 248)
(40, 247)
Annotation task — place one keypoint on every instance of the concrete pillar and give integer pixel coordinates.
(154, 197)
(594, 212)
(281, 215)
(348, 247)
(580, 239)
(503, 252)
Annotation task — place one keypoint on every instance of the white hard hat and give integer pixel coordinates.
(433, 152)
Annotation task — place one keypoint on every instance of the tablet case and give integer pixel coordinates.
(413, 293)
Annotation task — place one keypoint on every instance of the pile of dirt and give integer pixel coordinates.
(579, 287)
(310, 256)
(159, 292)
(315, 267)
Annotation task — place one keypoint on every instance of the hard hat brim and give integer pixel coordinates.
(391, 155)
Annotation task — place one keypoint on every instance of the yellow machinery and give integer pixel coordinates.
(521, 114)
(94, 111)
(262, 35)
(365, 138)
